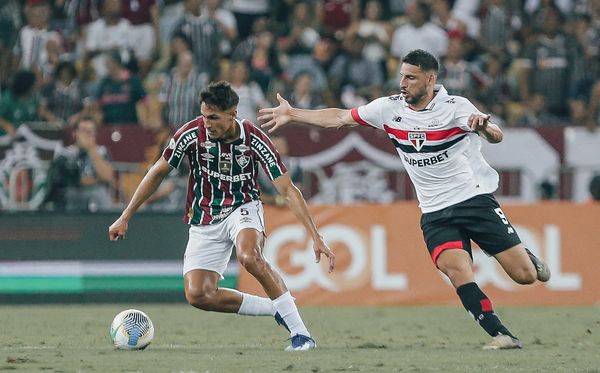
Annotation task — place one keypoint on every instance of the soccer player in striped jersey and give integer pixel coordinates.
(437, 137)
(224, 210)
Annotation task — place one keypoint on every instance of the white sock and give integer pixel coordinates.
(286, 307)
(256, 306)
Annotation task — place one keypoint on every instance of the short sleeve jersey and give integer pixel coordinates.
(223, 176)
(440, 153)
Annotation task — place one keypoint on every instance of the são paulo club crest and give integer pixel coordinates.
(417, 139)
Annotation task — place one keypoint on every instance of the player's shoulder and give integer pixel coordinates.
(454, 100)
(253, 130)
(190, 127)
(393, 98)
(248, 125)
(386, 101)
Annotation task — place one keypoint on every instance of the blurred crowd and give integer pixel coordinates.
(144, 62)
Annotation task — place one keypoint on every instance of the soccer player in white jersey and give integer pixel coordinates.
(437, 136)
(224, 211)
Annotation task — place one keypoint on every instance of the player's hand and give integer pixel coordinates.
(273, 118)
(478, 122)
(117, 230)
(321, 248)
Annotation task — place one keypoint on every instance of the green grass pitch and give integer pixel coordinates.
(74, 338)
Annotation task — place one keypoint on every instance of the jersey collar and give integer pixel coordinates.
(237, 141)
(242, 137)
(441, 94)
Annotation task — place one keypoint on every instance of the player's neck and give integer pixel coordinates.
(423, 102)
(232, 134)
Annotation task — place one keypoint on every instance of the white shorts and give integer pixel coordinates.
(209, 246)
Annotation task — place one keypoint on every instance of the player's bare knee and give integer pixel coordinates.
(252, 261)
(524, 276)
(457, 277)
(200, 298)
(458, 274)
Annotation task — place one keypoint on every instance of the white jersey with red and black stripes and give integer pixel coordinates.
(223, 176)
(441, 154)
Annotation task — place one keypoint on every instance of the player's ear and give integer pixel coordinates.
(432, 78)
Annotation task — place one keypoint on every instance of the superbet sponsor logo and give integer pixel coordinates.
(369, 260)
(427, 161)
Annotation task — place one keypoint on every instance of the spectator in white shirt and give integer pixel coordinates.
(35, 40)
(251, 96)
(111, 32)
(419, 32)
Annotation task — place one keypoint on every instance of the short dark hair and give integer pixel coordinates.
(86, 118)
(183, 36)
(220, 95)
(425, 60)
(23, 83)
(66, 65)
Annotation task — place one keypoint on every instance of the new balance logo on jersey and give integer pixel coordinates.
(398, 119)
(451, 101)
(417, 139)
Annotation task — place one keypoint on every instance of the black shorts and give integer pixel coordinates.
(479, 219)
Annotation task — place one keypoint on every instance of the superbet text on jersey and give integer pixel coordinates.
(440, 153)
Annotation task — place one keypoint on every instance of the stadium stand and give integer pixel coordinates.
(533, 65)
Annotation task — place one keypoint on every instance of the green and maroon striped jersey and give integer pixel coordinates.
(223, 176)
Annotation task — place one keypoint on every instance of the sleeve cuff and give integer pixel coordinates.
(357, 117)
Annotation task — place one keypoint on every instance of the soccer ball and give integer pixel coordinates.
(131, 330)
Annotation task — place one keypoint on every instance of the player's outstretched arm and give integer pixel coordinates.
(274, 118)
(297, 204)
(481, 124)
(149, 184)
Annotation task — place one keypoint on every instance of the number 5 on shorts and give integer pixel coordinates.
(501, 215)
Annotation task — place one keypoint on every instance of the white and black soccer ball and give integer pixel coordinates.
(131, 330)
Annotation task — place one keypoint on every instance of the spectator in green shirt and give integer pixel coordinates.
(119, 93)
(18, 105)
